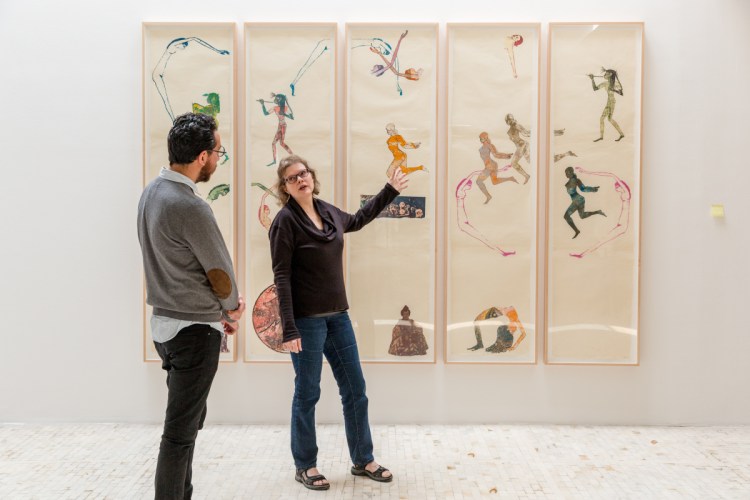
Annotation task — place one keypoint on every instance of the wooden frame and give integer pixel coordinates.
(595, 77)
(297, 63)
(391, 104)
(491, 199)
(191, 67)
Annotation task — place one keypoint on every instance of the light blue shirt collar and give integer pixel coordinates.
(173, 176)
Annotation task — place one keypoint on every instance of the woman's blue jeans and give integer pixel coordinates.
(333, 337)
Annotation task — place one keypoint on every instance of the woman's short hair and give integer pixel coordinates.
(280, 186)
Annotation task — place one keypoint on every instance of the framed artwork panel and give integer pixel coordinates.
(290, 108)
(594, 193)
(492, 180)
(391, 114)
(190, 67)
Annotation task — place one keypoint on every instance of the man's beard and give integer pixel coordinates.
(205, 174)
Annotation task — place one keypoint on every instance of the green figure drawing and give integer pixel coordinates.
(611, 83)
(217, 192)
(213, 108)
(578, 202)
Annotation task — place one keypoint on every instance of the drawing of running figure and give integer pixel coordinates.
(511, 42)
(611, 83)
(282, 110)
(462, 217)
(320, 48)
(516, 133)
(159, 71)
(577, 202)
(399, 157)
(623, 220)
(505, 339)
(490, 166)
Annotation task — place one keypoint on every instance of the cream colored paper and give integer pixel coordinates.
(184, 64)
(391, 262)
(278, 56)
(592, 289)
(493, 71)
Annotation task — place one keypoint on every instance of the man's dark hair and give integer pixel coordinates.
(191, 134)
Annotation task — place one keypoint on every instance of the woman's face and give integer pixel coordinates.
(301, 187)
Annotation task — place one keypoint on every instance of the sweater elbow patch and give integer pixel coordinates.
(221, 283)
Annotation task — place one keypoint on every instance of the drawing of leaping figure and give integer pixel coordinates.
(282, 110)
(578, 202)
(516, 133)
(511, 42)
(623, 220)
(264, 211)
(379, 69)
(612, 85)
(157, 75)
(399, 157)
(462, 217)
(490, 166)
(505, 340)
(318, 51)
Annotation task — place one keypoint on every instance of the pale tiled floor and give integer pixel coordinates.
(432, 461)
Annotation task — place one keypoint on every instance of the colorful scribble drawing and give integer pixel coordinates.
(464, 224)
(511, 42)
(408, 338)
(320, 48)
(490, 166)
(382, 48)
(578, 202)
(282, 110)
(213, 108)
(518, 135)
(159, 71)
(218, 191)
(267, 320)
(611, 83)
(623, 220)
(395, 142)
(412, 207)
(505, 340)
(264, 211)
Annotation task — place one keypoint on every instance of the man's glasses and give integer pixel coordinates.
(220, 152)
(293, 178)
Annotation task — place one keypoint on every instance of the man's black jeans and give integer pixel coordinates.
(191, 360)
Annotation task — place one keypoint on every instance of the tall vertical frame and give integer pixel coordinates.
(391, 118)
(594, 193)
(191, 67)
(290, 108)
(492, 181)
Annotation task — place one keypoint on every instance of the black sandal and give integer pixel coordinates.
(309, 481)
(360, 470)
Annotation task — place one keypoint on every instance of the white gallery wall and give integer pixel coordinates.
(70, 301)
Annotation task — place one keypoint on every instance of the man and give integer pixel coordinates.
(191, 285)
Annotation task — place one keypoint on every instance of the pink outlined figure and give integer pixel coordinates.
(464, 224)
(623, 220)
(511, 42)
(282, 110)
(490, 166)
(264, 211)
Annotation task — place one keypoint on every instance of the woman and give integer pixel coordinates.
(307, 242)
(577, 202)
(612, 85)
(282, 110)
(490, 166)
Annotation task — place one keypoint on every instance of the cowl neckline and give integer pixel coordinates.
(328, 233)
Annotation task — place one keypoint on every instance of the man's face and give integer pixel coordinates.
(213, 160)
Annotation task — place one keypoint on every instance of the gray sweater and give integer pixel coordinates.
(189, 273)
